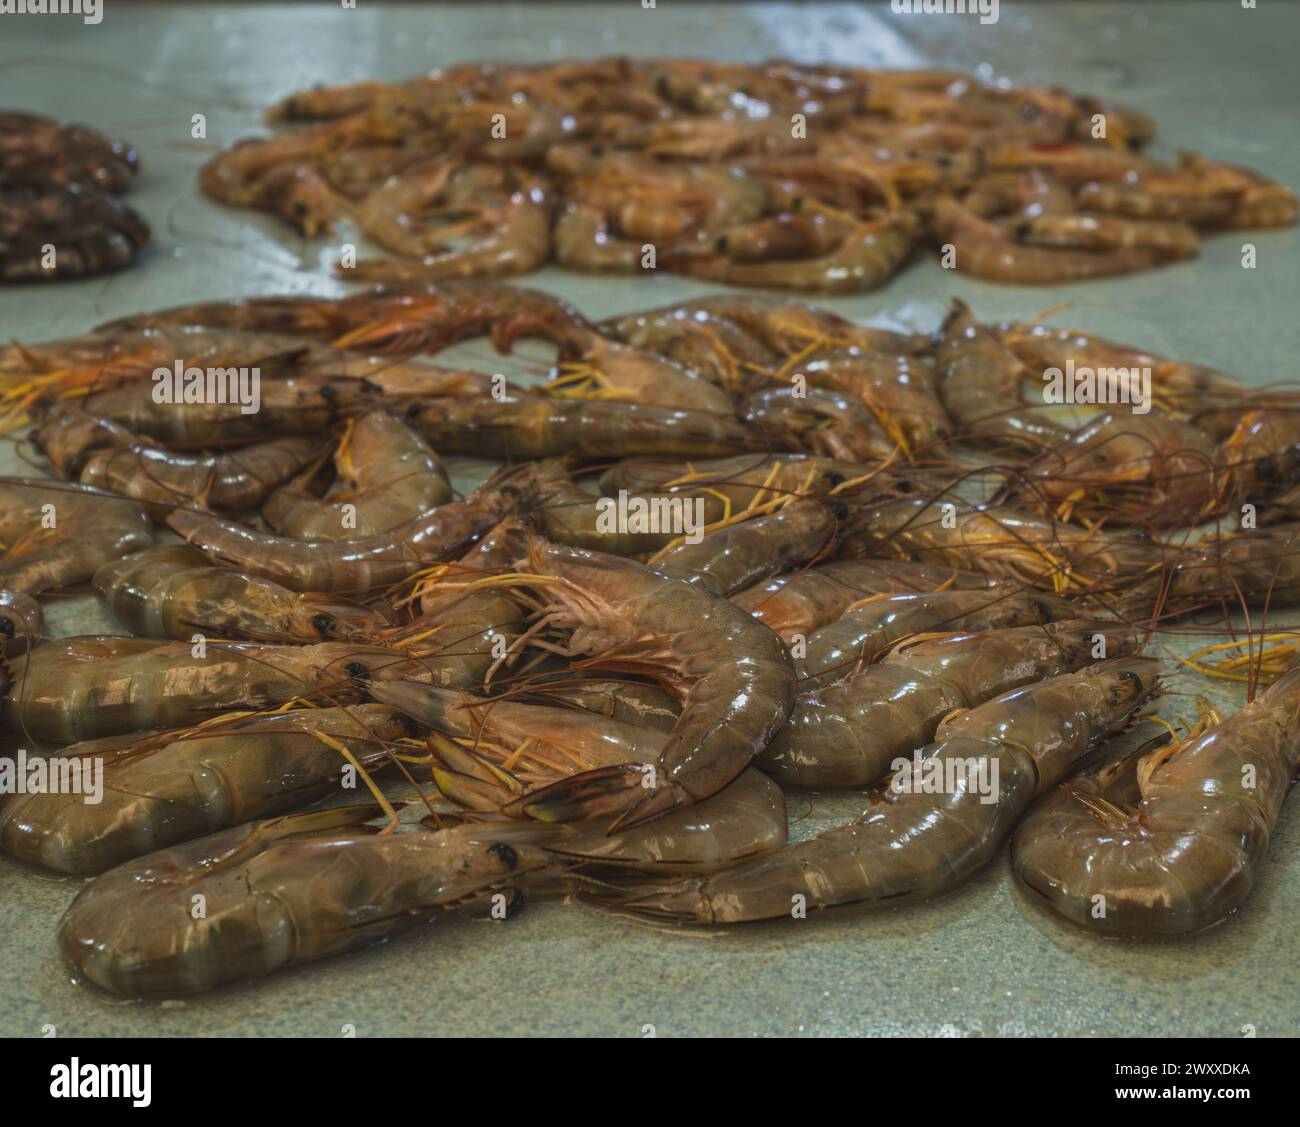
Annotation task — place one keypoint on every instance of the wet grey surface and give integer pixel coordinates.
(1217, 78)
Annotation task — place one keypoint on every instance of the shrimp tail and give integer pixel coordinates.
(662, 904)
(588, 794)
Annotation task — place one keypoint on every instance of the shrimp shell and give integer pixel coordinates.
(285, 891)
(173, 591)
(915, 843)
(175, 786)
(1172, 844)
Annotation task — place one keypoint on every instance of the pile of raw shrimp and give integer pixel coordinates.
(736, 545)
(814, 178)
(59, 212)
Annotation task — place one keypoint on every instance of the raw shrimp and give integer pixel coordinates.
(358, 565)
(105, 454)
(938, 820)
(90, 233)
(570, 515)
(174, 591)
(898, 390)
(1000, 541)
(54, 535)
(841, 648)
(401, 321)
(847, 734)
(798, 604)
(829, 423)
(230, 482)
(739, 555)
(518, 426)
(283, 173)
(74, 689)
(389, 476)
(585, 239)
(289, 890)
(1127, 468)
(503, 748)
(628, 618)
(1171, 842)
(513, 237)
(21, 623)
(1253, 565)
(164, 789)
(980, 385)
(1174, 384)
(786, 327)
(983, 250)
(866, 258)
(715, 348)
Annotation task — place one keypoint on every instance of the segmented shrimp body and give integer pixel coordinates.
(798, 604)
(160, 790)
(280, 892)
(628, 618)
(841, 648)
(74, 689)
(173, 591)
(919, 841)
(848, 733)
(55, 535)
(1172, 842)
(388, 475)
(366, 563)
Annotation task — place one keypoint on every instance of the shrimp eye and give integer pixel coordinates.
(356, 669)
(835, 478)
(1044, 612)
(412, 728)
(323, 624)
(507, 854)
(721, 244)
(840, 509)
(905, 486)
(300, 207)
(7, 627)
